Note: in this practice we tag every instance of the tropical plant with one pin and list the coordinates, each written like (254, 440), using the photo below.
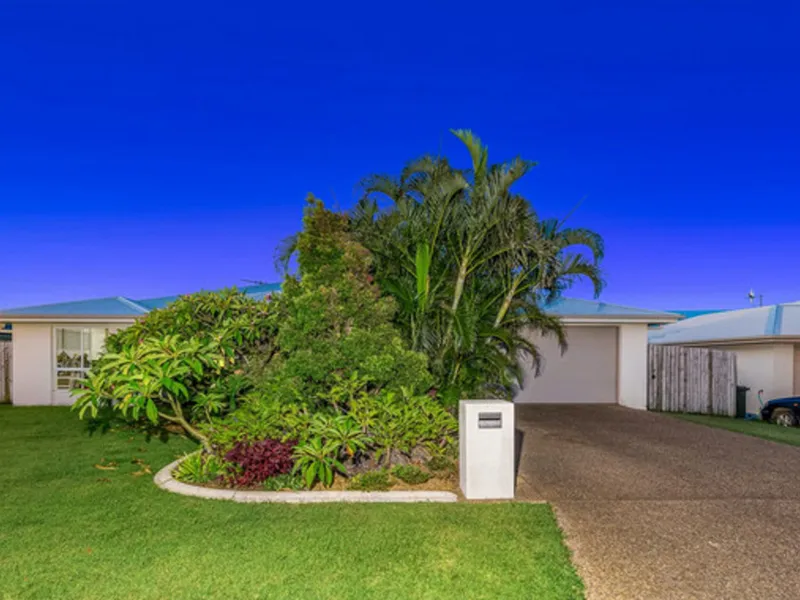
(152, 380)
(336, 334)
(255, 462)
(371, 481)
(411, 474)
(471, 266)
(317, 460)
(403, 422)
(199, 467)
(183, 364)
(287, 481)
(341, 430)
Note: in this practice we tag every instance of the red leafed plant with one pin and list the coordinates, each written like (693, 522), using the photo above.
(258, 461)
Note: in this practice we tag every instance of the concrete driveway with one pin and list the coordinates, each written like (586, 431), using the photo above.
(654, 507)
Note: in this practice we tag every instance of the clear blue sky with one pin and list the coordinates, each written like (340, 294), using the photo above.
(153, 148)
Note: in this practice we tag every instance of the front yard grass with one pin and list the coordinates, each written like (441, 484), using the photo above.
(71, 530)
(768, 431)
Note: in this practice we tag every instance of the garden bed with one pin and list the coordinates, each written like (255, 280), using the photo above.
(405, 493)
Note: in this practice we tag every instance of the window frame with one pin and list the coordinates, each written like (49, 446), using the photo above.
(85, 331)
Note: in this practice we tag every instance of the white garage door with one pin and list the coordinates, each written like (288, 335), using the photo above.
(586, 373)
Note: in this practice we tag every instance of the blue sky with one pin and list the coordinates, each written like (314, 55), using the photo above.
(155, 148)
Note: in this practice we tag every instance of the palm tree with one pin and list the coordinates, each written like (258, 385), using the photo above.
(471, 266)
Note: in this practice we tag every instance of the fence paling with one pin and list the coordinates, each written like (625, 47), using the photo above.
(5, 371)
(697, 380)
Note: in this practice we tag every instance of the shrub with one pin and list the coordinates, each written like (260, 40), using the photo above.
(199, 467)
(183, 364)
(441, 463)
(334, 323)
(260, 418)
(317, 460)
(411, 474)
(371, 481)
(402, 422)
(254, 462)
(342, 431)
(287, 481)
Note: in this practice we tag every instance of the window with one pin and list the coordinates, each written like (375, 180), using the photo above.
(76, 348)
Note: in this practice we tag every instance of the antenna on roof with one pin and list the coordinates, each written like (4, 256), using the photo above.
(255, 281)
(752, 296)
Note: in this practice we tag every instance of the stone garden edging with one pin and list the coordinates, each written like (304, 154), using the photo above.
(165, 481)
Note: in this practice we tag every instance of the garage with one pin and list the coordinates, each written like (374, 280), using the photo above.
(585, 373)
(606, 358)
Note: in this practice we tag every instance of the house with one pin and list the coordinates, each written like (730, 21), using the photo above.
(688, 314)
(606, 359)
(54, 344)
(766, 341)
(606, 362)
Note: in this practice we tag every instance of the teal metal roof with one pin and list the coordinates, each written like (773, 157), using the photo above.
(112, 307)
(689, 314)
(125, 307)
(779, 320)
(574, 307)
(118, 306)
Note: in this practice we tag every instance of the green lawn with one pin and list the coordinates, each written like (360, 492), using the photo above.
(768, 431)
(70, 530)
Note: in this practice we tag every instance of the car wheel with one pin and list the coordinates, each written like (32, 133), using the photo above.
(783, 417)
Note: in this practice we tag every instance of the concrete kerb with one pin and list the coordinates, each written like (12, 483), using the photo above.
(165, 481)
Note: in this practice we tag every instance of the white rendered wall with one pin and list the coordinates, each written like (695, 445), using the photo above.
(632, 366)
(33, 367)
(32, 360)
(768, 367)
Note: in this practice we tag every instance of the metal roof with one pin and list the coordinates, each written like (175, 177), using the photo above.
(688, 314)
(117, 306)
(779, 320)
(575, 307)
(125, 307)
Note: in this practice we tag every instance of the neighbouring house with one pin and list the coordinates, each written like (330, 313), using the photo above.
(606, 361)
(53, 345)
(688, 314)
(766, 341)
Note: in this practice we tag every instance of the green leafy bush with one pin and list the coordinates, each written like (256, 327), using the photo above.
(441, 463)
(260, 418)
(199, 467)
(153, 379)
(402, 422)
(335, 324)
(288, 481)
(371, 481)
(317, 460)
(184, 364)
(411, 474)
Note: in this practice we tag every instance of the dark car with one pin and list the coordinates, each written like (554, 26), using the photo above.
(782, 411)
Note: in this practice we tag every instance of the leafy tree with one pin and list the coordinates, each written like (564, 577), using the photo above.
(334, 321)
(183, 364)
(471, 266)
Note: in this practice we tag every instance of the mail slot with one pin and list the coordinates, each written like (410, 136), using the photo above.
(490, 420)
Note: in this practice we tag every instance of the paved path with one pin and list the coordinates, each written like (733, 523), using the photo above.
(658, 508)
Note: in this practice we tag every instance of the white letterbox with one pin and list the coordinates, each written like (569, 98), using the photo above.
(486, 449)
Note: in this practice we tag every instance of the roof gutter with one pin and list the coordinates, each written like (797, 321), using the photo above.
(68, 318)
(745, 341)
(602, 319)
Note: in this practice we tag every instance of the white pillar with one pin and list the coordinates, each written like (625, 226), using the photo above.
(632, 366)
(486, 449)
